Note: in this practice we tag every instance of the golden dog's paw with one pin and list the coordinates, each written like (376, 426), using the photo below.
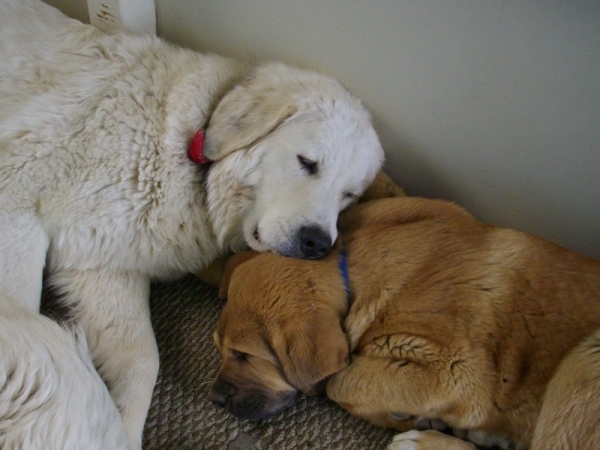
(427, 440)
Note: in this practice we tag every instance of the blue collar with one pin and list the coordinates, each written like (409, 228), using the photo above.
(343, 265)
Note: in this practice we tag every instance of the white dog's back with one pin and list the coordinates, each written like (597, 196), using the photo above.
(39, 66)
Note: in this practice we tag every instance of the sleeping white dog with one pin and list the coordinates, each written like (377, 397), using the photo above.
(97, 189)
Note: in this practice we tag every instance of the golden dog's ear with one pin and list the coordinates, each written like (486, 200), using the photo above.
(310, 350)
(213, 273)
(229, 267)
(246, 114)
(382, 187)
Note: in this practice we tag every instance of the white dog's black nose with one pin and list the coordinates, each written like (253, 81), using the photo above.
(314, 242)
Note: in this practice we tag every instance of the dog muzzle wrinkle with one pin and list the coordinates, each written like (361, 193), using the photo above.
(259, 405)
(250, 406)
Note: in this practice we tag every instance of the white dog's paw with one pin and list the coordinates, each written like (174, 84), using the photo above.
(427, 440)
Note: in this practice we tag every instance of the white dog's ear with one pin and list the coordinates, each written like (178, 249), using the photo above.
(246, 114)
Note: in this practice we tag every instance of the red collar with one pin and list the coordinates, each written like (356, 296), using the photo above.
(196, 150)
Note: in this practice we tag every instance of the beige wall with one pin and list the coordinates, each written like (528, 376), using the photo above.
(494, 104)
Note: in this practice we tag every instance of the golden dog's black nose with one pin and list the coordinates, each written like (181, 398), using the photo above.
(314, 242)
(221, 393)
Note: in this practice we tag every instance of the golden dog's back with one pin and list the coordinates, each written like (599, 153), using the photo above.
(507, 304)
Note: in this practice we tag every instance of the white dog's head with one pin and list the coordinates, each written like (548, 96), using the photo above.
(294, 148)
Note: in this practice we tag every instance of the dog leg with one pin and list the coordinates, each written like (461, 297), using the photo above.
(23, 247)
(570, 415)
(392, 393)
(113, 310)
(396, 393)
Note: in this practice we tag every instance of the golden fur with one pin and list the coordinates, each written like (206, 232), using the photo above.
(483, 328)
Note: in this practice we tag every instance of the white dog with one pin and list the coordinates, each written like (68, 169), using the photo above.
(96, 187)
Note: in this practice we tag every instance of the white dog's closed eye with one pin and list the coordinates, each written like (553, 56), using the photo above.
(311, 167)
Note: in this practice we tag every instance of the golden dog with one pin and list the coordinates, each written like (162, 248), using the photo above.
(447, 318)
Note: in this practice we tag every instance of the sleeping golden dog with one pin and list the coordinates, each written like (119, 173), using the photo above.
(483, 328)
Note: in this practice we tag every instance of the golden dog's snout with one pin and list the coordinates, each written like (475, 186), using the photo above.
(252, 402)
(221, 393)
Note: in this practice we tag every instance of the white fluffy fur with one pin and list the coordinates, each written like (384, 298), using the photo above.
(96, 188)
(51, 396)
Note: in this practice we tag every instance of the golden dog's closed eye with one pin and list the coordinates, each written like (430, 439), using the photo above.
(239, 356)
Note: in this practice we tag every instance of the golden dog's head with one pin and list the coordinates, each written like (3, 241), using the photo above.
(279, 333)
